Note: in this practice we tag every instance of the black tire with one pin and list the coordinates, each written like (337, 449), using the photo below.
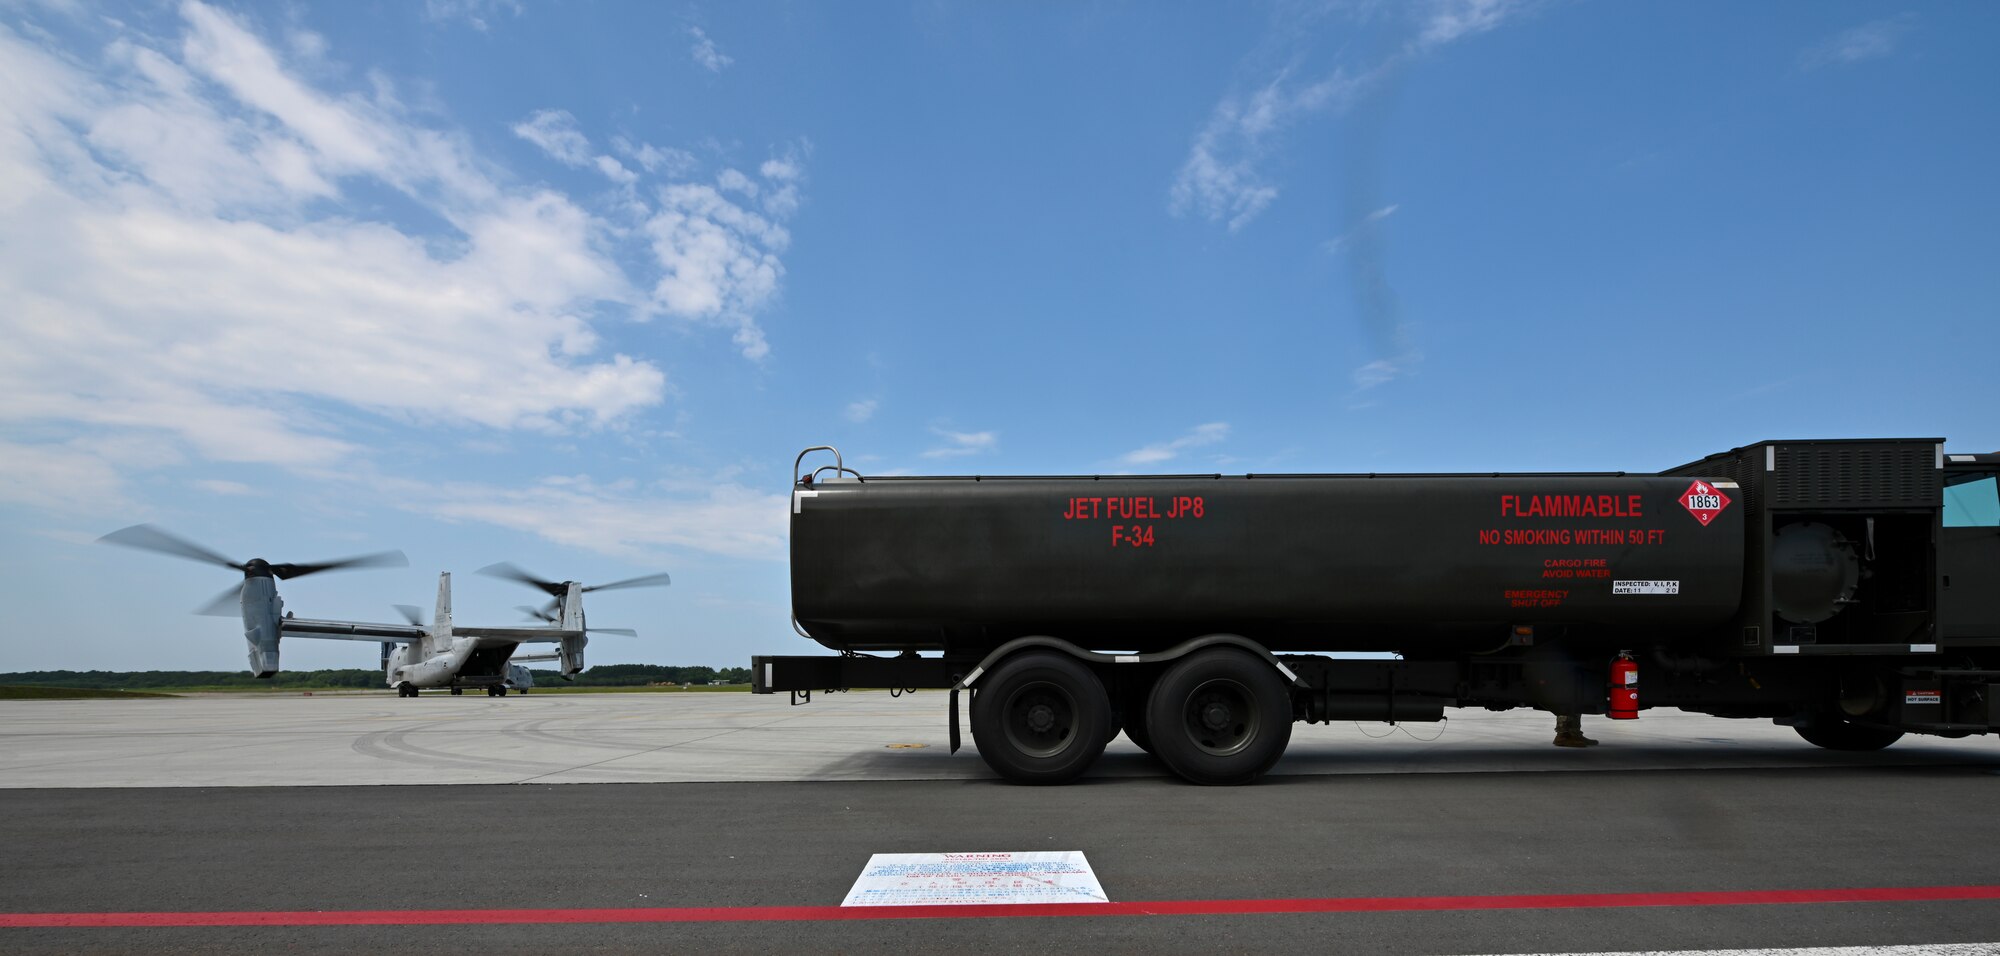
(1040, 717)
(406, 689)
(1834, 733)
(1219, 717)
(456, 691)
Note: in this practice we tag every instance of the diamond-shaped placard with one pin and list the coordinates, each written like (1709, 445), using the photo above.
(1704, 501)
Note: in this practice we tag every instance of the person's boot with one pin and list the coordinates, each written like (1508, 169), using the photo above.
(1569, 732)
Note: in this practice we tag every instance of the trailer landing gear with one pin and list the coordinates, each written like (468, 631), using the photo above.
(1040, 717)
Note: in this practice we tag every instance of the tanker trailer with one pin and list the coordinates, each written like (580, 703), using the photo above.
(1794, 581)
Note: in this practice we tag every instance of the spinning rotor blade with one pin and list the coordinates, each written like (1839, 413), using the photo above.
(547, 614)
(385, 559)
(621, 631)
(226, 604)
(411, 613)
(512, 573)
(650, 580)
(148, 537)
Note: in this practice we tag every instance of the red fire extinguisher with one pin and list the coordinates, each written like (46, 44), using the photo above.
(1624, 688)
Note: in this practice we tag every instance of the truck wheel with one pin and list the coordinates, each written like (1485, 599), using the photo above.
(1040, 717)
(1219, 717)
(1836, 734)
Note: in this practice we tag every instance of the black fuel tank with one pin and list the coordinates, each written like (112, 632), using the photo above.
(1298, 562)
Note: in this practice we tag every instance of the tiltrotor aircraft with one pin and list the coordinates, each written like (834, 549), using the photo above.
(415, 655)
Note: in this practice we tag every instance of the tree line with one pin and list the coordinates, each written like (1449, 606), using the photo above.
(604, 675)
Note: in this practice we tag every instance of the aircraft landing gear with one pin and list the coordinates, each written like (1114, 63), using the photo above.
(406, 689)
(456, 691)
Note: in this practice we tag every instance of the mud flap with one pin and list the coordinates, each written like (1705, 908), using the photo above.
(954, 719)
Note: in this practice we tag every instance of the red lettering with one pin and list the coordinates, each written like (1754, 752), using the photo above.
(1572, 506)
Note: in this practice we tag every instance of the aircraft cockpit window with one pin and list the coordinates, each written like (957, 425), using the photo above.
(1973, 503)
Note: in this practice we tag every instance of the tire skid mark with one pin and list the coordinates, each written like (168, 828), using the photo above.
(394, 745)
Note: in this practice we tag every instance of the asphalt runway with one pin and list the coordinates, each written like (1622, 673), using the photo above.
(792, 802)
(379, 739)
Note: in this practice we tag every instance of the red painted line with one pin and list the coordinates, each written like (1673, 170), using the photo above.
(754, 914)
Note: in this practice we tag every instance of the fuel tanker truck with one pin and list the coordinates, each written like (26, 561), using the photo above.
(1849, 589)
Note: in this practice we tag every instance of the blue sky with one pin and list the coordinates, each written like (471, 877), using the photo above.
(569, 284)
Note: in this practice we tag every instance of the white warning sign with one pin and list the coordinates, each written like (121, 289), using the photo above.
(1645, 587)
(950, 879)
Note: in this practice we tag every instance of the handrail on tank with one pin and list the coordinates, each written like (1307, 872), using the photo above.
(837, 465)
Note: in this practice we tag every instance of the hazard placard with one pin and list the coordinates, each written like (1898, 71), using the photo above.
(1704, 501)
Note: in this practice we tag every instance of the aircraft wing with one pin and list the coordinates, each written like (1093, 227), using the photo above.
(506, 636)
(352, 630)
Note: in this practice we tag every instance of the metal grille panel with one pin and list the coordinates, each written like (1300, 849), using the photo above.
(1856, 475)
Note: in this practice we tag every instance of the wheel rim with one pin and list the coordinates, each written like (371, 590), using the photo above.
(1040, 719)
(1221, 717)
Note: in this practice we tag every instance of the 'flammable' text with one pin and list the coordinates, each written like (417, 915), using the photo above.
(1572, 506)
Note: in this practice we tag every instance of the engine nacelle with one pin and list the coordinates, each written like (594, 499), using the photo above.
(262, 642)
(572, 655)
(263, 624)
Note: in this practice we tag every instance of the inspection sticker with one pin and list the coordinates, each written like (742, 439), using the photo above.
(1645, 587)
(950, 879)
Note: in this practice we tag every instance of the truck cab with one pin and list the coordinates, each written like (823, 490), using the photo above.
(1969, 551)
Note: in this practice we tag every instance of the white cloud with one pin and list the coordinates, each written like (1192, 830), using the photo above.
(862, 411)
(670, 162)
(59, 477)
(1201, 435)
(1870, 41)
(719, 261)
(476, 13)
(1367, 222)
(165, 273)
(1453, 19)
(615, 171)
(786, 175)
(1222, 178)
(705, 54)
(558, 135)
(962, 443)
(223, 486)
(783, 170)
(621, 518)
(1378, 372)
(731, 180)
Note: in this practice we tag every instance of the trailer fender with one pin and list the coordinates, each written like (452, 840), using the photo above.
(1113, 660)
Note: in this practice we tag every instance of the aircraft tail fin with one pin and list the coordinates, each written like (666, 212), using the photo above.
(442, 619)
